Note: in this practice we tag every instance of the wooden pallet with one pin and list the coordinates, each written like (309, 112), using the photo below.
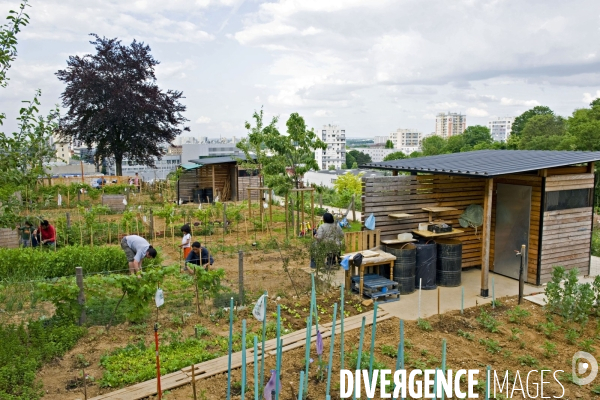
(220, 365)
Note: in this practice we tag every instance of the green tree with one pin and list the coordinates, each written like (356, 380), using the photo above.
(254, 145)
(389, 144)
(519, 123)
(331, 167)
(344, 166)
(8, 41)
(415, 154)
(349, 182)
(433, 145)
(584, 129)
(397, 155)
(350, 160)
(543, 132)
(354, 165)
(475, 135)
(454, 144)
(360, 157)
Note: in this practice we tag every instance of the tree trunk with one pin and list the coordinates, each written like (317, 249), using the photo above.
(119, 164)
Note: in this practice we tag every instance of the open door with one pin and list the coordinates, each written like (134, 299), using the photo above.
(513, 212)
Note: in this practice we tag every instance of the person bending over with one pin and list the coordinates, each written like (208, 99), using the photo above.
(45, 234)
(136, 248)
(198, 256)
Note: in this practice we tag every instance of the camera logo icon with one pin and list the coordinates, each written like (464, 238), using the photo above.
(584, 363)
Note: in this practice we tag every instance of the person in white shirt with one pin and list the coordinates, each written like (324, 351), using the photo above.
(186, 240)
(136, 248)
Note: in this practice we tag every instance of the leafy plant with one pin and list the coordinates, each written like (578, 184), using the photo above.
(549, 349)
(492, 346)
(527, 361)
(518, 315)
(571, 336)
(486, 320)
(62, 293)
(424, 325)
(389, 351)
(548, 328)
(466, 335)
(514, 334)
(586, 345)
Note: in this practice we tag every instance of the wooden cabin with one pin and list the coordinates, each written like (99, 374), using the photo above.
(542, 199)
(202, 180)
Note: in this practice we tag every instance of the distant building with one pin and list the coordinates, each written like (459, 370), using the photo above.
(501, 128)
(335, 154)
(167, 164)
(328, 178)
(174, 150)
(377, 153)
(406, 140)
(380, 140)
(199, 150)
(63, 149)
(450, 124)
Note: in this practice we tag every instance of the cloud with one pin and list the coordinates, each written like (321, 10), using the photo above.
(323, 113)
(203, 120)
(512, 102)
(476, 112)
(588, 97)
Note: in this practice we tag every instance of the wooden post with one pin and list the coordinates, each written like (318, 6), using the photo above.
(312, 209)
(241, 276)
(394, 173)
(151, 224)
(261, 208)
(82, 180)
(320, 200)
(286, 216)
(194, 377)
(485, 242)
(271, 205)
(81, 296)
(68, 220)
(224, 220)
(353, 207)
(302, 201)
(213, 182)
(249, 204)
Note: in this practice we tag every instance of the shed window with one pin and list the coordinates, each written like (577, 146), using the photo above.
(567, 199)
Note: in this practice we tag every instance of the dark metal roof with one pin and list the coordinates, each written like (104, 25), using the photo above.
(488, 162)
(219, 160)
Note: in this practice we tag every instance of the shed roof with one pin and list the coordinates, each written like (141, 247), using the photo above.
(218, 160)
(489, 163)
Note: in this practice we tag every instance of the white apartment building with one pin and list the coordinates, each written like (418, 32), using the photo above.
(406, 140)
(380, 139)
(335, 154)
(450, 124)
(63, 149)
(501, 128)
(377, 153)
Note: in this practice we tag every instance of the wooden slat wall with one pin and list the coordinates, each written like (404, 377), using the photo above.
(409, 194)
(534, 223)
(244, 182)
(202, 178)
(567, 233)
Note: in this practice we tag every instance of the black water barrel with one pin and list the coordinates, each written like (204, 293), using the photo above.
(207, 192)
(404, 266)
(449, 262)
(425, 267)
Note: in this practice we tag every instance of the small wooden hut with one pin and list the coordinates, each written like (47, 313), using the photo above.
(542, 199)
(202, 180)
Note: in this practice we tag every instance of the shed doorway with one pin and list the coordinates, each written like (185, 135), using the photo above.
(513, 212)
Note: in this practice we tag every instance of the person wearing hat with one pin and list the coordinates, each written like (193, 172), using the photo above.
(137, 248)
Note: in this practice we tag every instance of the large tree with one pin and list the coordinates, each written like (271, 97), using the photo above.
(519, 124)
(360, 157)
(397, 155)
(114, 103)
(543, 132)
(389, 144)
(584, 129)
(433, 145)
(476, 135)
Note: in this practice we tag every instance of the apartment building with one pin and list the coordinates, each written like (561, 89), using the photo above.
(335, 154)
(450, 124)
(500, 128)
(406, 140)
(377, 153)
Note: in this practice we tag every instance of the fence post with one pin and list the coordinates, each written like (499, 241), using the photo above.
(68, 221)
(81, 296)
(151, 224)
(241, 276)
(224, 218)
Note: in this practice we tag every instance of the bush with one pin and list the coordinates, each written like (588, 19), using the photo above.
(29, 263)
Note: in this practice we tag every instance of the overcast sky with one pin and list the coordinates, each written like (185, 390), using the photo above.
(370, 66)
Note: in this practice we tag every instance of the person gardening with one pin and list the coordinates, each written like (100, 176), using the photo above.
(137, 248)
(329, 238)
(198, 256)
(45, 234)
(26, 233)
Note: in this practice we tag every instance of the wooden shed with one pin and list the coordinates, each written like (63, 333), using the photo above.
(204, 179)
(542, 199)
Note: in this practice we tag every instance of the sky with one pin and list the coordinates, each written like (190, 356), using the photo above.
(369, 66)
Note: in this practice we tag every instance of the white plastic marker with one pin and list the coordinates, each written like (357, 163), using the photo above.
(419, 312)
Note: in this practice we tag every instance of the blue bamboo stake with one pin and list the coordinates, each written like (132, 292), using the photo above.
(255, 367)
(360, 345)
(443, 363)
(278, 323)
(487, 384)
(278, 338)
(400, 355)
(307, 349)
(435, 384)
(314, 300)
(462, 300)
(278, 367)
(301, 385)
(342, 330)
(229, 349)
(331, 346)
(373, 331)
(243, 359)
(264, 335)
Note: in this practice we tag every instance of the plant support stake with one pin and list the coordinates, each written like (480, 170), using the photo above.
(373, 331)
(342, 329)
(158, 390)
(262, 349)
(331, 347)
(229, 349)
(462, 300)
(243, 358)
(255, 368)
(360, 346)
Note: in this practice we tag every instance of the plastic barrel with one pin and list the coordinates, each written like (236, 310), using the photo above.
(404, 266)
(449, 262)
(425, 267)
(207, 192)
